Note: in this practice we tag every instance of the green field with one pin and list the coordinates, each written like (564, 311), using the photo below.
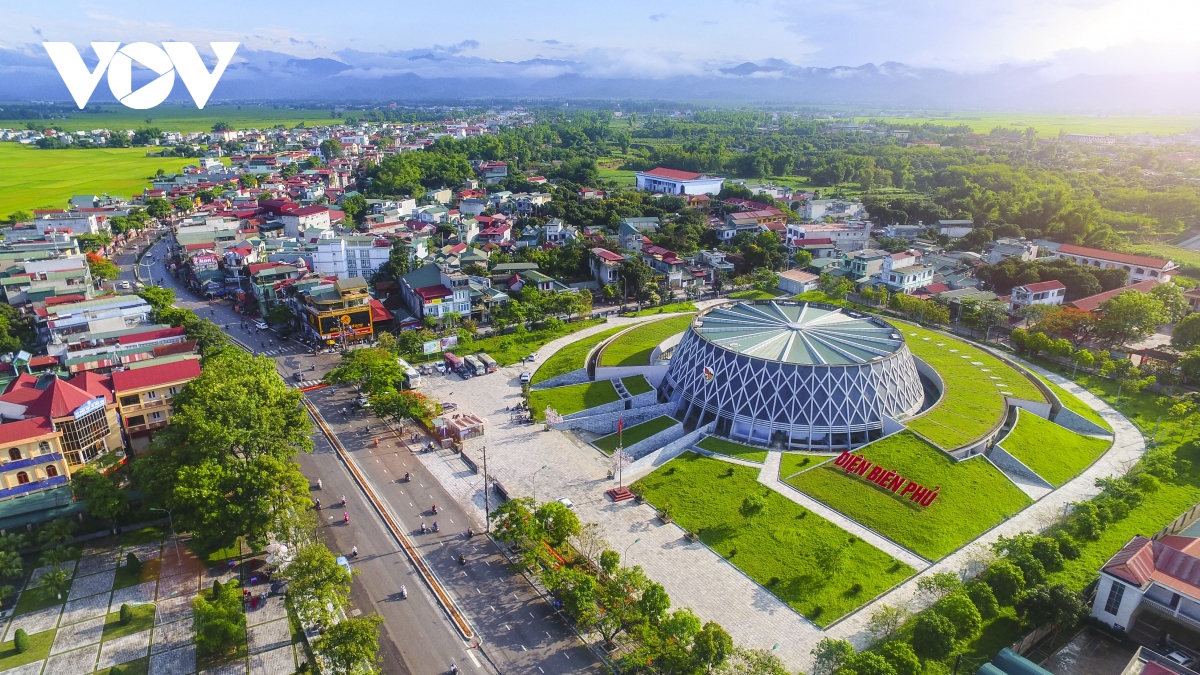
(806, 561)
(35, 179)
(634, 434)
(571, 357)
(754, 294)
(975, 385)
(1050, 451)
(637, 384)
(669, 308)
(572, 398)
(634, 347)
(795, 462)
(731, 449)
(974, 495)
(1070, 402)
(184, 117)
(1049, 125)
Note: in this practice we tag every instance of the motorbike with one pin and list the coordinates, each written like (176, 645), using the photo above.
(403, 593)
(423, 529)
(345, 518)
(435, 509)
(462, 559)
(343, 501)
(470, 532)
(318, 504)
(435, 526)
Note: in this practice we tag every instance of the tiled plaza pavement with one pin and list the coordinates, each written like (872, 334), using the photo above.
(279, 661)
(268, 636)
(176, 609)
(100, 561)
(231, 668)
(692, 574)
(180, 661)
(35, 622)
(271, 610)
(82, 609)
(78, 662)
(77, 635)
(143, 593)
(27, 669)
(179, 585)
(170, 636)
(144, 552)
(35, 577)
(124, 649)
(93, 584)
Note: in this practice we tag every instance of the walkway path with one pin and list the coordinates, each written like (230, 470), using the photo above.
(1128, 447)
(769, 476)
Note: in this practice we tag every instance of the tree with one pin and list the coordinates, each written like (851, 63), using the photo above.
(1006, 580)
(208, 336)
(158, 207)
(101, 496)
(711, 646)
(513, 522)
(744, 661)
(802, 258)
(933, 636)
(557, 522)
(1056, 605)
(1186, 335)
(331, 148)
(901, 657)
(1175, 305)
(318, 588)
(218, 619)
(374, 370)
(830, 655)
(225, 464)
(983, 598)
(885, 622)
(870, 663)
(102, 268)
(403, 405)
(939, 585)
(158, 297)
(54, 583)
(183, 204)
(962, 613)
(753, 506)
(1129, 317)
(279, 314)
(1037, 342)
(620, 606)
(579, 594)
(355, 207)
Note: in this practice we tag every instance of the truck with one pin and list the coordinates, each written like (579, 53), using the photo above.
(474, 365)
(411, 375)
(453, 363)
(488, 362)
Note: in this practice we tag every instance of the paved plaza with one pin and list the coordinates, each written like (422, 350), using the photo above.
(549, 465)
(79, 645)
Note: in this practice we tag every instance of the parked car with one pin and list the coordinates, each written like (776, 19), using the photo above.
(345, 564)
(526, 377)
(440, 367)
(124, 285)
(1181, 658)
(363, 402)
(261, 325)
(567, 503)
(299, 376)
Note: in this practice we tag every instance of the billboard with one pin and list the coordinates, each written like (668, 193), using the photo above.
(430, 347)
(350, 322)
(449, 342)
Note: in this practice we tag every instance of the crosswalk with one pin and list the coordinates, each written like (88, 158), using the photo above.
(308, 384)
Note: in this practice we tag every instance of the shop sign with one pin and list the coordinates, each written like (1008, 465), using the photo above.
(887, 479)
(430, 347)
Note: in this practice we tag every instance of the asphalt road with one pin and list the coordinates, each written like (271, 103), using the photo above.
(518, 632)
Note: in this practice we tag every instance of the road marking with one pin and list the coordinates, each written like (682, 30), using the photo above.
(451, 521)
(410, 503)
(532, 616)
(567, 655)
(473, 659)
(491, 608)
(516, 598)
(525, 650)
(540, 668)
(478, 591)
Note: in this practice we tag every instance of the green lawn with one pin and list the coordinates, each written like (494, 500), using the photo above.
(143, 619)
(39, 648)
(572, 398)
(143, 536)
(185, 116)
(1048, 125)
(1070, 402)
(33, 179)
(1052, 452)
(126, 577)
(794, 462)
(975, 385)
(811, 564)
(510, 348)
(571, 357)
(31, 600)
(635, 434)
(670, 308)
(724, 447)
(754, 294)
(974, 496)
(637, 384)
(138, 667)
(634, 347)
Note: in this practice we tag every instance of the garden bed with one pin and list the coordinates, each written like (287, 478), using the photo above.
(974, 496)
(634, 347)
(571, 357)
(1072, 403)
(637, 384)
(811, 564)
(635, 434)
(1052, 452)
(731, 449)
(572, 398)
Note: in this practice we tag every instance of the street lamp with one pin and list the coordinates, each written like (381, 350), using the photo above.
(171, 522)
(535, 473)
(627, 550)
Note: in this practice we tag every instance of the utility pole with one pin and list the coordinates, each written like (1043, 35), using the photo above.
(487, 506)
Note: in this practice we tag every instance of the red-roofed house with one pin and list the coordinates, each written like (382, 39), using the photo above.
(606, 265)
(1041, 293)
(85, 416)
(31, 458)
(671, 181)
(144, 396)
(1158, 578)
(1140, 267)
(1092, 302)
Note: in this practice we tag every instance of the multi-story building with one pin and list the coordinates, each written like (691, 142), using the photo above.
(1151, 587)
(31, 458)
(353, 256)
(62, 324)
(1043, 293)
(81, 409)
(631, 232)
(908, 279)
(1140, 267)
(36, 280)
(144, 396)
(429, 291)
(338, 312)
(73, 221)
(845, 236)
(1011, 247)
(606, 266)
(666, 264)
(673, 182)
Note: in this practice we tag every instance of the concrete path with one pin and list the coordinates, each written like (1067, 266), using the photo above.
(1128, 447)
(769, 476)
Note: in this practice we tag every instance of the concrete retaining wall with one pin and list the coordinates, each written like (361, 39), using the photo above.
(1011, 465)
(671, 450)
(615, 406)
(662, 439)
(606, 423)
(1036, 407)
(1078, 423)
(579, 376)
(642, 400)
(654, 374)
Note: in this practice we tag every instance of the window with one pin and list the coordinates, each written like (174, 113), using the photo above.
(136, 420)
(44, 448)
(14, 454)
(156, 416)
(1115, 593)
(22, 478)
(172, 391)
(132, 399)
(51, 471)
(151, 395)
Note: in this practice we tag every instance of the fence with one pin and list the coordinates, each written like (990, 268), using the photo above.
(1179, 524)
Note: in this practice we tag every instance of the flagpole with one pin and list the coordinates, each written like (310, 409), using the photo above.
(621, 451)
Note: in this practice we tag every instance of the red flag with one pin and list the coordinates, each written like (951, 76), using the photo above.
(620, 423)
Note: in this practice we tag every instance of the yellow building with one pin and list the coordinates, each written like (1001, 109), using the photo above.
(144, 396)
(31, 457)
(339, 312)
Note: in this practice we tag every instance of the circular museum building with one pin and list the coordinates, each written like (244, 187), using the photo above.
(794, 374)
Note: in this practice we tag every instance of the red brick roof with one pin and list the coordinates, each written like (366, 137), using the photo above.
(608, 255)
(152, 376)
(1043, 286)
(21, 430)
(672, 174)
(1123, 258)
(59, 399)
(432, 292)
(1092, 302)
(151, 335)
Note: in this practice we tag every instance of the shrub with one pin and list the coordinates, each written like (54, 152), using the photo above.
(1005, 579)
(1047, 552)
(902, 657)
(1031, 568)
(1067, 546)
(126, 614)
(21, 641)
(984, 599)
(962, 613)
(870, 663)
(132, 562)
(933, 636)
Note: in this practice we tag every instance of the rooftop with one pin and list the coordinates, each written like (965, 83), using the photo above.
(1123, 258)
(798, 333)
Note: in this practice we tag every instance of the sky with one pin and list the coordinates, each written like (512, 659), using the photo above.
(629, 38)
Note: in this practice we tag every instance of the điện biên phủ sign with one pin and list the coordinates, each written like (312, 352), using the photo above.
(887, 479)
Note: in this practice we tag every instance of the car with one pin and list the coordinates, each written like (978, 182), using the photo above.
(532, 357)
(124, 285)
(363, 402)
(1181, 658)
(526, 377)
(261, 325)
(299, 376)
(567, 503)
(341, 560)
(441, 367)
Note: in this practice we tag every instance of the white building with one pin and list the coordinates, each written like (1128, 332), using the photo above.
(670, 181)
(846, 237)
(313, 217)
(1159, 578)
(349, 257)
(908, 279)
(797, 282)
(1140, 267)
(1009, 247)
(78, 223)
(839, 209)
(955, 229)
(1043, 293)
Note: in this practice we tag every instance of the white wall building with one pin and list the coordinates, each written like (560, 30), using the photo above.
(1140, 267)
(1043, 293)
(670, 181)
(349, 257)
(846, 237)
(79, 223)
(304, 218)
(1161, 578)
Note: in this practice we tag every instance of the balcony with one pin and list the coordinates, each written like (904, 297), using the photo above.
(148, 405)
(1166, 610)
(151, 426)
(31, 461)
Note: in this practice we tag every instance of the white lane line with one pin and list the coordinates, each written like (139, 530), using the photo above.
(473, 659)
(525, 650)
(532, 616)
